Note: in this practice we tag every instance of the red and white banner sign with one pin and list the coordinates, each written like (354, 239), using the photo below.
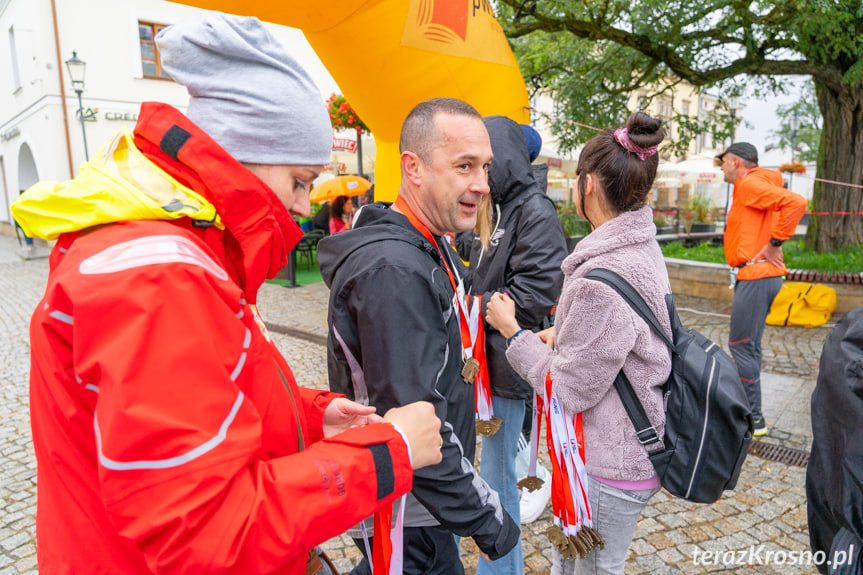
(345, 144)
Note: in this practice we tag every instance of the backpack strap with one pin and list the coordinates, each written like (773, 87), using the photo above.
(631, 296)
(644, 430)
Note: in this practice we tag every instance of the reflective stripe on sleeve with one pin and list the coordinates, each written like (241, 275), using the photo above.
(242, 361)
(60, 316)
(361, 392)
(196, 452)
(150, 250)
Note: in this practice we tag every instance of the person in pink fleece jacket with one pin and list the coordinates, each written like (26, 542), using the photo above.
(596, 334)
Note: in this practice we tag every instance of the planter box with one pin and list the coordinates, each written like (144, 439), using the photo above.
(701, 279)
(702, 227)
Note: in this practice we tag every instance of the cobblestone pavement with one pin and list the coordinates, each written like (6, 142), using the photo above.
(767, 509)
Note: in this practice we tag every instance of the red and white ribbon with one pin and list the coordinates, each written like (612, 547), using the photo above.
(387, 554)
(565, 438)
(482, 383)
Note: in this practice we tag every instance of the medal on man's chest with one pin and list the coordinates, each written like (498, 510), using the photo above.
(469, 371)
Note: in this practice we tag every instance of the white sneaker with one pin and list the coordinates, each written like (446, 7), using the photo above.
(532, 503)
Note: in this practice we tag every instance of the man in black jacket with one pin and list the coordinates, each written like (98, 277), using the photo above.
(834, 477)
(527, 246)
(394, 326)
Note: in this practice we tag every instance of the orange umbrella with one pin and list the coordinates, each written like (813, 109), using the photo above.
(339, 186)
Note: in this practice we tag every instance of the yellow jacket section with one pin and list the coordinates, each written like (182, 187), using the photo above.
(119, 184)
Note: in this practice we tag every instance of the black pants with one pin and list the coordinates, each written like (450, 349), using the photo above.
(749, 309)
(427, 550)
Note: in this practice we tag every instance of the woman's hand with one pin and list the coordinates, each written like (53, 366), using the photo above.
(500, 314)
(342, 414)
(547, 336)
(421, 428)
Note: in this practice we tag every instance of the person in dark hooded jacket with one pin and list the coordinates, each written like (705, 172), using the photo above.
(526, 248)
(394, 328)
(834, 475)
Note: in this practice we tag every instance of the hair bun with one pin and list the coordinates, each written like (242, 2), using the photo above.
(644, 131)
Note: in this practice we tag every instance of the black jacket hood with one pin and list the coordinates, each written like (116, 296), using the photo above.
(510, 174)
(374, 223)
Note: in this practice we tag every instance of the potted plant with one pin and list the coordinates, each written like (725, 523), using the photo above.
(662, 225)
(574, 227)
(695, 214)
(793, 168)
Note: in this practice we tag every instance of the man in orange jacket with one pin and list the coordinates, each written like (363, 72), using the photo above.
(763, 214)
(169, 432)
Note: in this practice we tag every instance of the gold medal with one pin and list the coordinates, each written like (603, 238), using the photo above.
(577, 546)
(469, 371)
(530, 483)
(489, 427)
(558, 539)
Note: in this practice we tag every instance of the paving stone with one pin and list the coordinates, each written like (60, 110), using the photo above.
(641, 547)
(671, 520)
(671, 556)
(15, 541)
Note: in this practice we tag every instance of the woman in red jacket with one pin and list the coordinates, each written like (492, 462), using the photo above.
(169, 432)
(340, 214)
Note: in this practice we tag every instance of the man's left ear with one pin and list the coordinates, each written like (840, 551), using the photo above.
(412, 167)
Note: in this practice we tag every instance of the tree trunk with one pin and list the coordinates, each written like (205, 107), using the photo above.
(840, 158)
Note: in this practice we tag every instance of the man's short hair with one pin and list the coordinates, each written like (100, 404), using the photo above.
(419, 133)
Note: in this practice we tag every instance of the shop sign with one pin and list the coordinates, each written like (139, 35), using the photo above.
(89, 114)
(121, 116)
(345, 144)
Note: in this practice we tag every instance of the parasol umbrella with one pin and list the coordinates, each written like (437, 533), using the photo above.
(339, 186)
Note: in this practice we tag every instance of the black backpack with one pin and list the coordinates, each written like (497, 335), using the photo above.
(708, 423)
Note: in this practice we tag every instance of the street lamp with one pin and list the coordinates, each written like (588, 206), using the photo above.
(795, 125)
(77, 69)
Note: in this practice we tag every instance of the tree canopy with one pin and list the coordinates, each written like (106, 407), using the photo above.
(591, 54)
(806, 138)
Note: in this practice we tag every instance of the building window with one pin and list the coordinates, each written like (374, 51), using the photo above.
(665, 109)
(685, 113)
(13, 54)
(150, 63)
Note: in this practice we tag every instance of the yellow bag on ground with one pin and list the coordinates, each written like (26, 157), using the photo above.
(802, 304)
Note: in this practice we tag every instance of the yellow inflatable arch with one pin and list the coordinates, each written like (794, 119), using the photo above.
(389, 55)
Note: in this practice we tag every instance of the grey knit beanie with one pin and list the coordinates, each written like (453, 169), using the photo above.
(247, 92)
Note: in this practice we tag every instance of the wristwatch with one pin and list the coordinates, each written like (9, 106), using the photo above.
(776, 243)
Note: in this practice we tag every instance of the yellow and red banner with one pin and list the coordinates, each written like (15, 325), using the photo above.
(389, 55)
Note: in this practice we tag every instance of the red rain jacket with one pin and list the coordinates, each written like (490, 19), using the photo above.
(167, 427)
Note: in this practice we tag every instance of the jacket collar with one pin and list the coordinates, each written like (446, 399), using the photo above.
(259, 230)
(626, 229)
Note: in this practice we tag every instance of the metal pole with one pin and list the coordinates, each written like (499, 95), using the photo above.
(292, 268)
(83, 130)
(359, 154)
